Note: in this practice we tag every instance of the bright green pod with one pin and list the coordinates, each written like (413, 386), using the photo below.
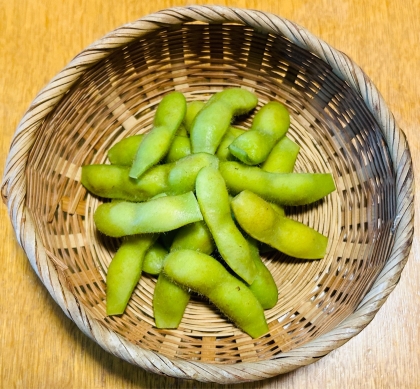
(159, 215)
(214, 202)
(180, 148)
(223, 152)
(264, 287)
(181, 178)
(156, 143)
(193, 108)
(169, 302)
(153, 260)
(286, 189)
(124, 271)
(269, 125)
(206, 276)
(282, 157)
(194, 236)
(124, 151)
(213, 120)
(259, 220)
(113, 182)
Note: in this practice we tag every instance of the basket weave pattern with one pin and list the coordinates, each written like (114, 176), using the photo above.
(111, 90)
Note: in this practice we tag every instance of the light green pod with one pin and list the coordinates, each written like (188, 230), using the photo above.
(156, 143)
(282, 157)
(113, 182)
(286, 189)
(206, 276)
(124, 272)
(180, 148)
(223, 152)
(181, 178)
(159, 215)
(260, 220)
(153, 260)
(170, 300)
(213, 120)
(214, 201)
(193, 108)
(194, 236)
(123, 152)
(270, 124)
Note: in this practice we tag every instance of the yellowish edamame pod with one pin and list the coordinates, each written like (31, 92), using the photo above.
(286, 189)
(206, 276)
(153, 260)
(282, 157)
(258, 219)
(159, 215)
(193, 108)
(213, 199)
(156, 143)
(124, 271)
(270, 124)
(213, 120)
(113, 182)
(180, 148)
(223, 152)
(182, 176)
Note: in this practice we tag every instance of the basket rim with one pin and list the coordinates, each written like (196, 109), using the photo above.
(14, 190)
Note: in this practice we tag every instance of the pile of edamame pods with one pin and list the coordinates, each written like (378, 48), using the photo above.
(196, 198)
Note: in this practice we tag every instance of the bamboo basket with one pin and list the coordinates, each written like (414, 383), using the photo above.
(111, 89)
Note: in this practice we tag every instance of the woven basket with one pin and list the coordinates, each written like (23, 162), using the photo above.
(111, 89)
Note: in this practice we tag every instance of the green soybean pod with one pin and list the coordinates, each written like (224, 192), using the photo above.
(156, 143)
(124, 151)
(182, 176)
(170, 300)
(264, 287)
(124, 271)
(223, 152)
(153, 260)
(282, 157)
(270, 124)
(260, 220)
(180, 148)
(286, 189)
(193, 108)
(206, 276)
(213, 120)
(159, 215)
(113, 181)
(214, 202)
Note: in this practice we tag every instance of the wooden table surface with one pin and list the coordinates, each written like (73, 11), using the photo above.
(41, 348)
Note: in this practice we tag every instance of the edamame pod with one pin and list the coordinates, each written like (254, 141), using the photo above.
(282, 157)
(260, 220)
(213, 120)
(153, 260)
(170, 300)
(159, 215)
(270, 124)
(213, 199)
(124, 271)
(113, 181)
(264, 287)
(206, 276)
(223, 152)
(156, 143)
(193, 108)
(182, 176)
(123, 152)
(286, 189)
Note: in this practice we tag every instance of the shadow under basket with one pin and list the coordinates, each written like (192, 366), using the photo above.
(111, 90)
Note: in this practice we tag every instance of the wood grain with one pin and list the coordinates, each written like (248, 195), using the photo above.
(42, 348)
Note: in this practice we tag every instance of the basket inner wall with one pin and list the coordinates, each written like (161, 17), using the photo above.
(336, 132)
